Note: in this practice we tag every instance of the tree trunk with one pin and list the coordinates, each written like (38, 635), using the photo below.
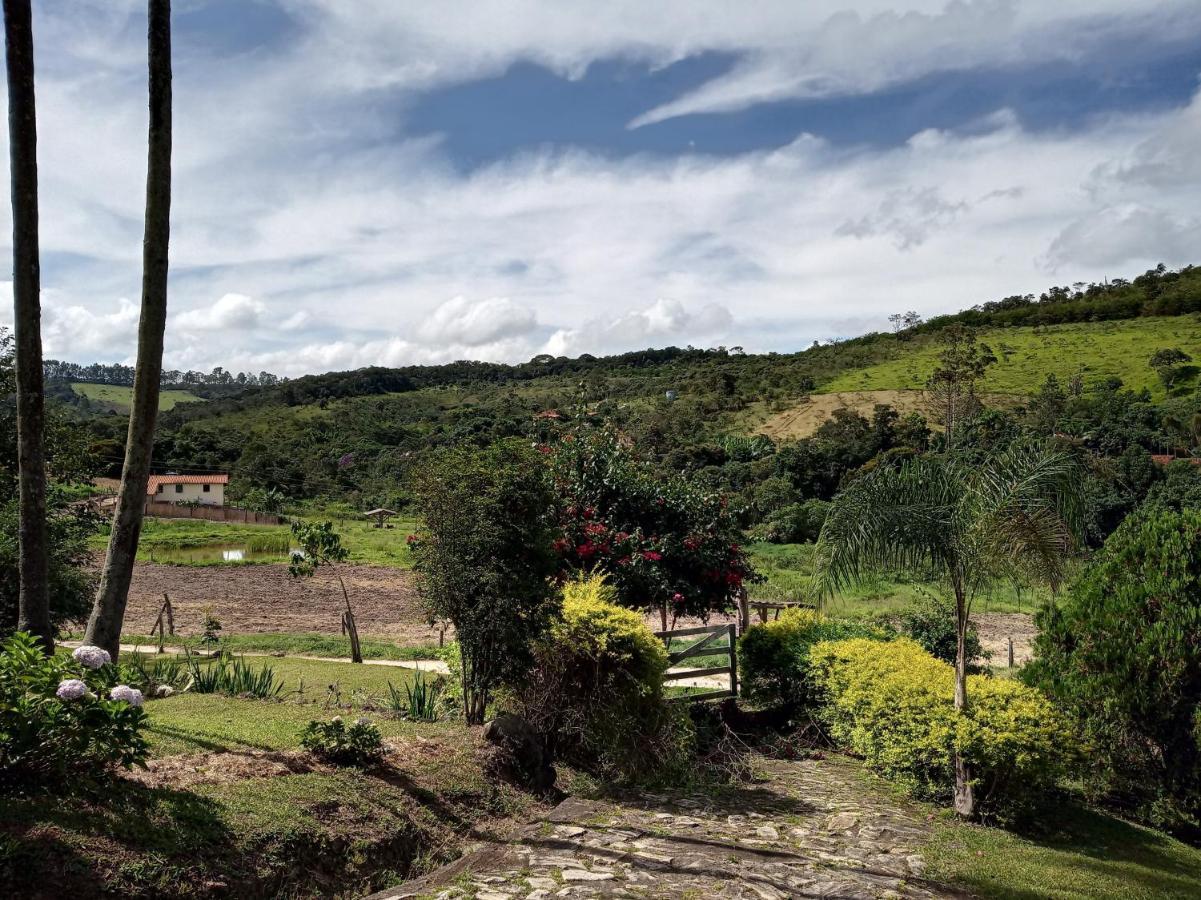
(108, 613)
(965, 800)
(356, 651)
(33, 613)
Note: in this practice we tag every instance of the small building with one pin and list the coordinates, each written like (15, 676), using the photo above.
(207, 490)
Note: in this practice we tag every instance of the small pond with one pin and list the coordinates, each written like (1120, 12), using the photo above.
(215, 554)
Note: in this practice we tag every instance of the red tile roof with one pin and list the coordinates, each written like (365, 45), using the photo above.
(1166, 459)
(156, 480)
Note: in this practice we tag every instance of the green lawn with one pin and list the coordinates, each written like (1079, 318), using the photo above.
(1026, 355)
(176, 540)
(295, 644)
(121, 397)
(788, 568)
(1079, 855)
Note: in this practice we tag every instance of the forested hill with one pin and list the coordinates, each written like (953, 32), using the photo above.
(355, 435)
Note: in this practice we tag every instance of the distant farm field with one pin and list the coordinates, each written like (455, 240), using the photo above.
(121, 397)
(1025, 356)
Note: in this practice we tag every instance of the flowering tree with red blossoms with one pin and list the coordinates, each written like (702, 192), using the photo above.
(665, 543)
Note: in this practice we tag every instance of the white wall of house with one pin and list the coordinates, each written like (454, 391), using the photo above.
(209, 494)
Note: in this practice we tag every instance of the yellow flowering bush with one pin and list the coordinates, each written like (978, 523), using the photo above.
(595, 691)
(893, 704)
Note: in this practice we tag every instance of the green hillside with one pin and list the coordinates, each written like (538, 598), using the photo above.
(1025, 356)
(120, 396)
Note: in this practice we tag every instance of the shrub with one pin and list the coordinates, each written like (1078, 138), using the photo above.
(595, 690)
(931, 622)
(797, 523)
(667, 542)
(774, 657)
(484, 559)
(1123, 653)
(62, 716)
(358, 745)
(893, 704)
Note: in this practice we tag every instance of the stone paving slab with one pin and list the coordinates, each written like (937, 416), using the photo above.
(812, 828)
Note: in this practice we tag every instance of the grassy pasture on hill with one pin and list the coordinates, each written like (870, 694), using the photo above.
(1025, 356)
(120, 396)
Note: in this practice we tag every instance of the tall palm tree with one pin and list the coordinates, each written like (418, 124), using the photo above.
(1015, 516)
(108, 612)
(34, 604)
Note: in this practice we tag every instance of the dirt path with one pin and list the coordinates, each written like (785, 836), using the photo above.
(812, 828)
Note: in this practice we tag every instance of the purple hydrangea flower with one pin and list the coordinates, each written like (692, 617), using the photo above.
(132, 696)
(91, 657)
(71, 689)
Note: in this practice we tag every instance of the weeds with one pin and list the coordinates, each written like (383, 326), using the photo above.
(234, 678)
(419, 700)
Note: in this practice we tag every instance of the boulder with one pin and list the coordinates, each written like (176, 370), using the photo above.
(518, 754)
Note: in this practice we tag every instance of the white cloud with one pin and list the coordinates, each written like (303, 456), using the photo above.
(474, 323)
(230, 312)
(333, 240)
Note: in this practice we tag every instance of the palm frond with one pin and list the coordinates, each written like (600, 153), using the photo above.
(892, 519)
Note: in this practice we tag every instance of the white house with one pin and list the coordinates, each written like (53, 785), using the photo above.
(205, 489)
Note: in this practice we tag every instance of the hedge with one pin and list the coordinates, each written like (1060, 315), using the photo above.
(892, 704)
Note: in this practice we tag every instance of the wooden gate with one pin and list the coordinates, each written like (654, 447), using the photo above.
(711, 641)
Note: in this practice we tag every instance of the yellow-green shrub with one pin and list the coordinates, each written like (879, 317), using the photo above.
(892, 704)
(774, 657)
(595, 691)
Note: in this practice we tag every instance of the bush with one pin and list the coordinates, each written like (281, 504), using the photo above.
(1123, 653)
(931, 622)
(893, 704)
(484, 559)
(359, 745)
(61, 716)
(595, 691)
(233, 677)
(774, 657)
(797, 523)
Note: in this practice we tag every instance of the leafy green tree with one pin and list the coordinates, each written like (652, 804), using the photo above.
(1013, 516)
(321, 547)
(1123, 653)
(961, 364)
(1168, 364)
(485, 559)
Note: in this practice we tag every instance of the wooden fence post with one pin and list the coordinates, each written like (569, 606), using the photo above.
(733, 661)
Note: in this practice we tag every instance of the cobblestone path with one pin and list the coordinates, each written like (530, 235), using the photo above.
(810, 829)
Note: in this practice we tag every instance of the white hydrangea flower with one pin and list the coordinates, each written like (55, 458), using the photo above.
(336, 719)
(71, 689)
(164, 690)
(132, 696)
(91, 657)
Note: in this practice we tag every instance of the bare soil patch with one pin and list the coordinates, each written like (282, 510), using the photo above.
(265, 599)
(995, 630)
(810, 413)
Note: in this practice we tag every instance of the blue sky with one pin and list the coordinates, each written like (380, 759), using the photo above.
(385, 183)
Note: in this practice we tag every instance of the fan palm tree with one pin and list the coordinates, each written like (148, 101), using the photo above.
(973, 524)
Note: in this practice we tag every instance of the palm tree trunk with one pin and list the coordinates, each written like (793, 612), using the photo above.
(108, 613)
(33, 613)
(965, 800)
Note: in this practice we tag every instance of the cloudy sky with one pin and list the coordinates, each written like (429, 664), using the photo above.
(381, 182)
